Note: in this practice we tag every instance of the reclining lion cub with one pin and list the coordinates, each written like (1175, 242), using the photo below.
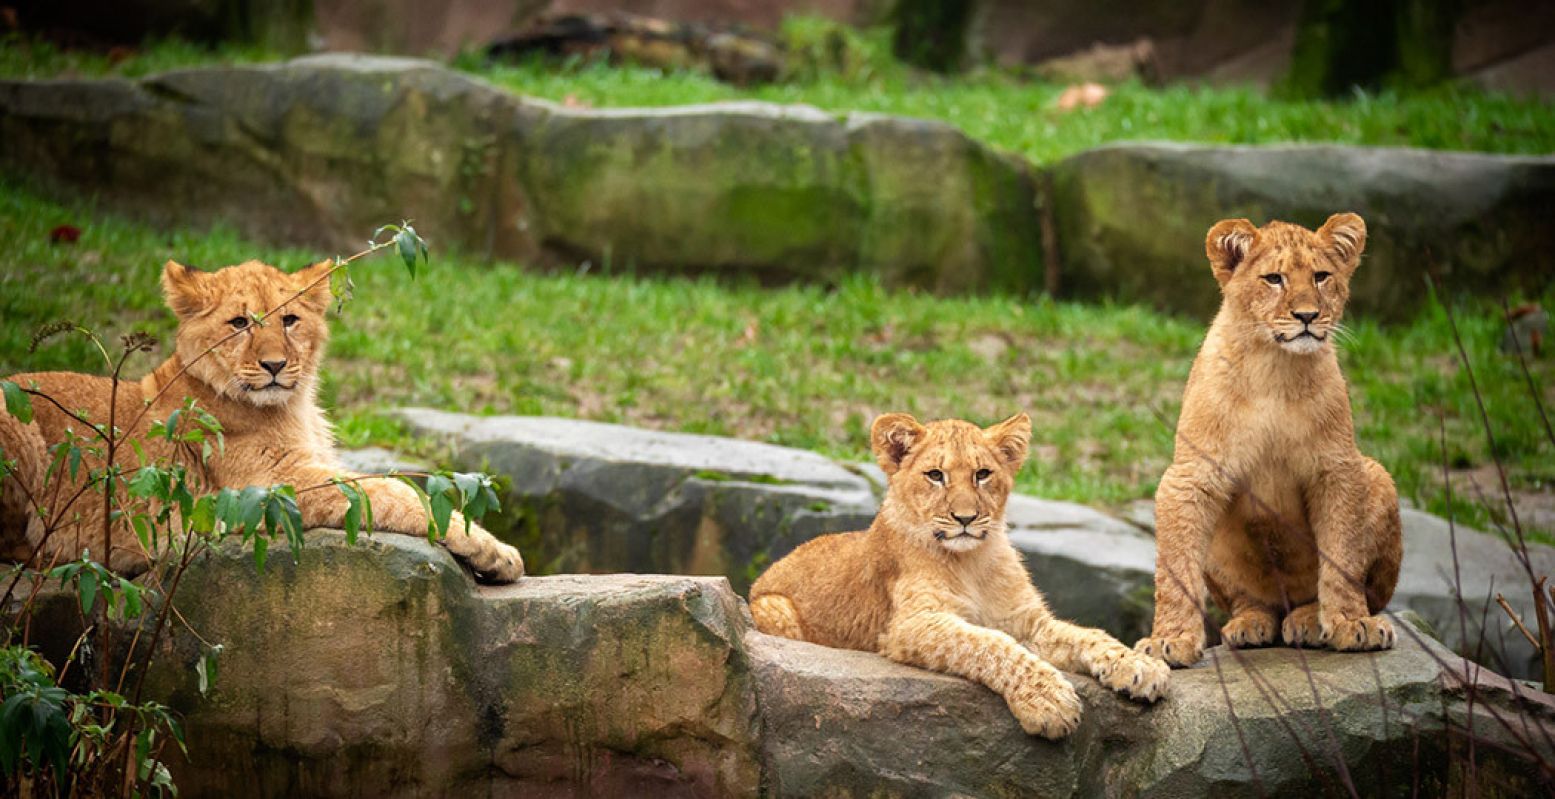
(935, 583)
(1268, 503)
(260, 385)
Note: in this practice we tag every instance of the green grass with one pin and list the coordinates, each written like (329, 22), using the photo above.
(800, 366)
(1002, 108)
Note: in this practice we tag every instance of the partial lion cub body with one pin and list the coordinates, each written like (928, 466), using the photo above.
(260, 384)
(935, 583)
(1268, 504)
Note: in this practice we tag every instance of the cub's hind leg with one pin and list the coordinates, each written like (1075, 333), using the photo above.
(1387, 535)
(775, 614)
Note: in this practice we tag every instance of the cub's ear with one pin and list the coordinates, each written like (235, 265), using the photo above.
(313, 282)
(1012, 438)
(893, 436)
(1227, 244)
(1345, 236)
(184, 289)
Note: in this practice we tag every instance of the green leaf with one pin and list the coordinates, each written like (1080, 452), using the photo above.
(405, 240)
(88, 587)
(353, 517)
(131, 593)
(17, 403)
(206, 668)
(440, 494)
(261, 548)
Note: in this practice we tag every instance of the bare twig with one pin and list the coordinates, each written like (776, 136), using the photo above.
(1518, 622)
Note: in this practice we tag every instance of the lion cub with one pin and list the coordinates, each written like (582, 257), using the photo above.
(260, 381)
(1268, 504)
(935, 583)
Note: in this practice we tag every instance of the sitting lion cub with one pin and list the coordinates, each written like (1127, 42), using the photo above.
(935, 583)
(1268, 504)
(259, 381)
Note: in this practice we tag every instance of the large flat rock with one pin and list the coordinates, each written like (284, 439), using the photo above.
(593, 497)
(382, 670)
(841, 723)
(322, 150)
(1131, 218)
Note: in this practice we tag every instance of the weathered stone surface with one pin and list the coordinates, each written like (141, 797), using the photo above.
(1093, 568)
(840, 723)
(1130, 219)
(381, 670)
(593, 497)
(377, 460)
(321, 150)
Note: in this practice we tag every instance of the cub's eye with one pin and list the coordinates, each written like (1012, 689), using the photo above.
(289, 319)
(935, 475)
(1274, 279)
(1320, 276)
(238, 322)
(984, 474)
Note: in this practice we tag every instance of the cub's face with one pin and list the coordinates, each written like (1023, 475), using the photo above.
(1286, 285)
(949, 480)
(262, 363)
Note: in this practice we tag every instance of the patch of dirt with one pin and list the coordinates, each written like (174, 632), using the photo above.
(1535, 503)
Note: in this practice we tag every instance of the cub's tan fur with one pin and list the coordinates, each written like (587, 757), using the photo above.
(274, 429)
(1268, 504)
(935, 583)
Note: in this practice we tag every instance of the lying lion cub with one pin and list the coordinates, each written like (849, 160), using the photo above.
(1268, 503)
(935, 583)
(258, 381)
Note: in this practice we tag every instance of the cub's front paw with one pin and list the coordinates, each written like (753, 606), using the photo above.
(1357, 635)
(1178, 651)
(1134, 675)
(1046, 705)
(503, 564)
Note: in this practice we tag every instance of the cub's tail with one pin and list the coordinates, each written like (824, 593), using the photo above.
(775, 614)
(25, 457)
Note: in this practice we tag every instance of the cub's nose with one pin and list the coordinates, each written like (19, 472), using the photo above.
(964, 520)
(1306, 317)
(273, 367)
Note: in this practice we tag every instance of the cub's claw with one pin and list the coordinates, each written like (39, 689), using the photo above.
(1249, 629)
(1357, 635)
(1135, 675)
(1301, 628)
(1047, 706)
(1177, 651)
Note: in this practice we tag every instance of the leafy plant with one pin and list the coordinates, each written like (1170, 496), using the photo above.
(94, 733)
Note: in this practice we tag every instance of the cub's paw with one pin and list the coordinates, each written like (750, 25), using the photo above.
(1134, 675)
(1177, 651)
(496, 563)
(1046, 705)
(1357, 635)
(1301, 627)
(1251, 628)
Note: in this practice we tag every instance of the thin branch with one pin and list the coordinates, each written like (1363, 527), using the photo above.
(1516, 621)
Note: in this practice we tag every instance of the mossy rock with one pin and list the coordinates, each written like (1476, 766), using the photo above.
(319, 151)
(1130, 219)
